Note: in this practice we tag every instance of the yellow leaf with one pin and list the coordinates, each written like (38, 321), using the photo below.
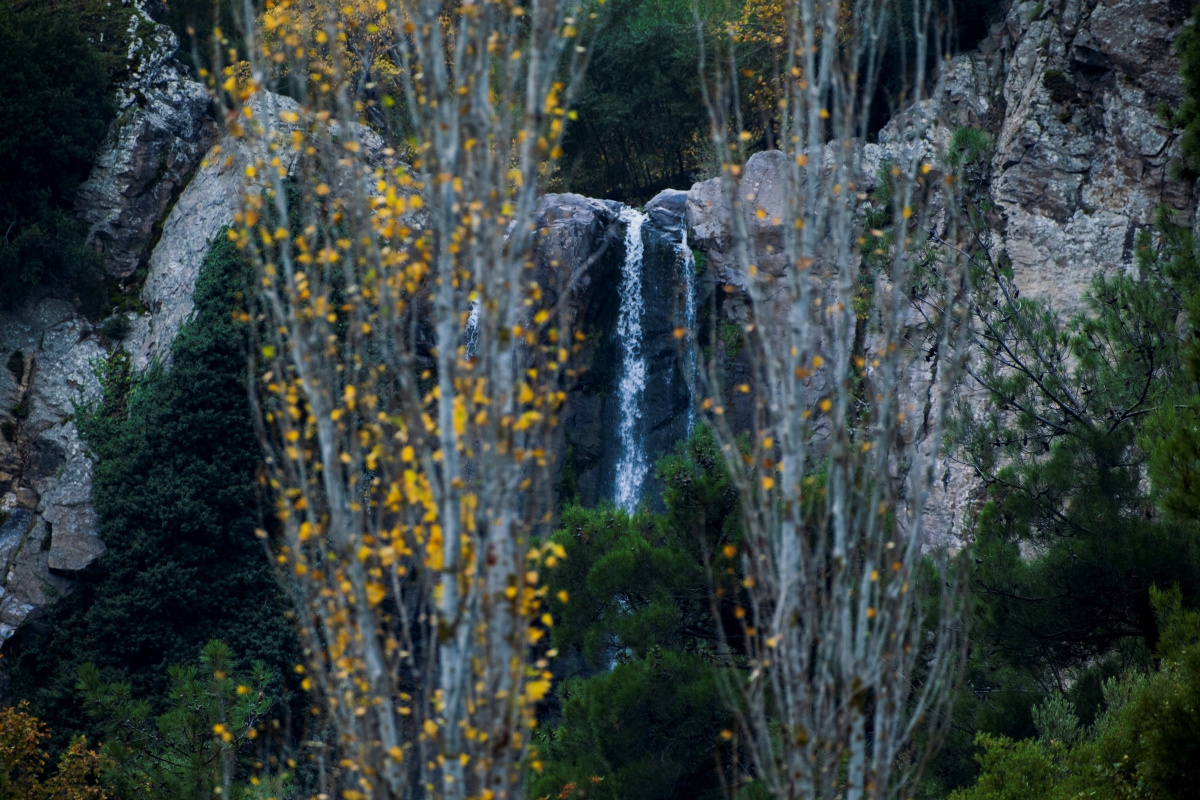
(536, 690)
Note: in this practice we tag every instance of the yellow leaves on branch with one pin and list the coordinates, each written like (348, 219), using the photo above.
(23, 762)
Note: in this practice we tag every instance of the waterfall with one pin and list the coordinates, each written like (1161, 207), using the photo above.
(471, 330)
(688, 263)
(632, 464)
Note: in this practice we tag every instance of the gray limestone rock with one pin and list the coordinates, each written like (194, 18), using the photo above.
(1077, 173)
(161, 131)
(45, 474)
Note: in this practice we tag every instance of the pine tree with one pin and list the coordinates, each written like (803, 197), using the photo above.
(643, 715)
(1071, 543)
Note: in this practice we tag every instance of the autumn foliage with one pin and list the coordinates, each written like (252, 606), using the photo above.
(409, 363)
(25, 772)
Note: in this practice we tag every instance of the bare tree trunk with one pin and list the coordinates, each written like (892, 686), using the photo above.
(847, 683)
(408, 474)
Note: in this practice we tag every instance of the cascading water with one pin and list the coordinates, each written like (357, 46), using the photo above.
(688, 267)
(471, 330)
(632, 464)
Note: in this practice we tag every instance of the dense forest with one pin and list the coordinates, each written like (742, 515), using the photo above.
(344, 554)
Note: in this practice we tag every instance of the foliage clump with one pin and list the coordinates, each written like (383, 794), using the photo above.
(642, 715)
(203, 744)
(1074, 538)
(1142, 744)
(25, 773)
(56, 106)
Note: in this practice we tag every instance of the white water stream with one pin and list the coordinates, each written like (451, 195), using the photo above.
(688, 267)
(632, 465)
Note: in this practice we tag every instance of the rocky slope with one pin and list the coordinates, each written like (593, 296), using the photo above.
(47, 525)
(1068, 90)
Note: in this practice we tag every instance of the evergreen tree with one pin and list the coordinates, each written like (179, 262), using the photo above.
(1070, 544)
(641, 123)
(1142, 744)
(55, 104)
(175, 495)
(643, 717)
(203, 745)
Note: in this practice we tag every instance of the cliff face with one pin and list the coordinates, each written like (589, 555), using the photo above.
(1068, 90)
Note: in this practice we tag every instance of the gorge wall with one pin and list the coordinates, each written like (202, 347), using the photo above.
(1069, 91)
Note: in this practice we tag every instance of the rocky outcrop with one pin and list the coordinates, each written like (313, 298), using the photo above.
(1070, 91)
(47, 525)
(161, 131)
(212, 197)
(580, 250)
(667, 396)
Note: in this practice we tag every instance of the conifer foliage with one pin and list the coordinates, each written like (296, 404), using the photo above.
(55, 106)
(644, 715)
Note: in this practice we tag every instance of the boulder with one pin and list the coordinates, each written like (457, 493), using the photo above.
(161, 131)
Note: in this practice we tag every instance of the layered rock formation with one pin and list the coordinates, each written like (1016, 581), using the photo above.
(161, 132)
(48, 533)
(47, 524)
(1070, 92)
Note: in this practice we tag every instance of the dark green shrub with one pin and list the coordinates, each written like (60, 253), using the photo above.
(642, 716)
(967, 146)
(16, 365)
(55, 104)
(204, 740)
(1060, 87)
(116, 327)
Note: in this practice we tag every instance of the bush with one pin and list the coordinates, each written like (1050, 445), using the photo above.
(24, 766)
(1143, 744)
(205, 739)
(643, 715)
